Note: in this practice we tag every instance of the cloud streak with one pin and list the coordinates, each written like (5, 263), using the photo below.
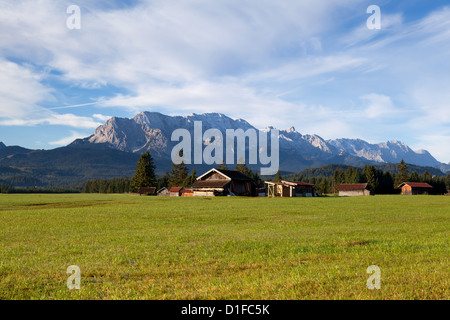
(312, 65)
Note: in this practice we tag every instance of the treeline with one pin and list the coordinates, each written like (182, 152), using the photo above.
(381, 182)
(115, 185)
(179, 176)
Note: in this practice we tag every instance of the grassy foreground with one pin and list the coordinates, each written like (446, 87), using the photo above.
(131, 247)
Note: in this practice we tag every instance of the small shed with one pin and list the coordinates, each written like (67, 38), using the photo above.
(260, 191)
(175, 191)
(290, 189)
(187, 192)
(163, 192)
(148, 191)
(354, 189)
(415, 188)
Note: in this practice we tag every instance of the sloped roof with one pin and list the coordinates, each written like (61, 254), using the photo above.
(150, 190)
(235, 175)
(298, 183)
(162, 189)
(231, 174)
(175, 189)
(215, 184)
(416, 185)
(352, 186)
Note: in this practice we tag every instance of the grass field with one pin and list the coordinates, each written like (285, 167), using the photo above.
(131, 247)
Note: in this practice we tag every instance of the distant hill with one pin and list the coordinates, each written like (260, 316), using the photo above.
(328, 170)
(65, 166)
(7, 151)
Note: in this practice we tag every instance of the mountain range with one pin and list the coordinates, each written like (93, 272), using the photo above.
(113, 149)
(152, 131)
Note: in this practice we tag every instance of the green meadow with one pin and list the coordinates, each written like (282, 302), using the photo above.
(131, 247)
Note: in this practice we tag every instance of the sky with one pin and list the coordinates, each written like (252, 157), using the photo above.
(314, 65)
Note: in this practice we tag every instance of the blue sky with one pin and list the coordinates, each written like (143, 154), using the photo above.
(310, 64)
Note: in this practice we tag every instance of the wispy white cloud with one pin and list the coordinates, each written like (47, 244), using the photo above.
(101, 117)
(276, 63)
(49, 118)
(20, 90)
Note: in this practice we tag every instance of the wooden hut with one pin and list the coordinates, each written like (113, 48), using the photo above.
(187, 192)
(163, 192)
(290, 189)
(175, 191)
(354, 189)
(415, 188)
(148, 191)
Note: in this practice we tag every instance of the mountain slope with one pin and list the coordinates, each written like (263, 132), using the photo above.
(152, 131)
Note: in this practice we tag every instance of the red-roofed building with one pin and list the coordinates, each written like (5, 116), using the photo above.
(354, 189)
(415, 188)
(175, 191)
(187, 192)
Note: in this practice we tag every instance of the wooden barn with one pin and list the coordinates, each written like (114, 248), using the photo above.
(187, 192)
(218, 182)
(354, 189)
(290, 189)
(415, 188)
(148, 191)
(163, 192)
(175, 191)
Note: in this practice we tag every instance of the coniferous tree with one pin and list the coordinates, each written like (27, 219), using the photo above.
(190, 179)
(163, 181)
(414, 177)
(178, 175)
(426, 177)
(145, 173)
(278, 177)
(242, 167)
(402, 175)
(371, 176)
(222, 166)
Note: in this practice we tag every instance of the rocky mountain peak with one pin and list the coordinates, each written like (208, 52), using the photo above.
(152, 131)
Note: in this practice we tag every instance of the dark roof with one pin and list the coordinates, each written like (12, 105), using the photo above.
(210, 184)
(184, 190)
(290, 183)
(416, 185)
(175, 189)
(150, 190)
(235, 175)
(352, 186)
(299, 183)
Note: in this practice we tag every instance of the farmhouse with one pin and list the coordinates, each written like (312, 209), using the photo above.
(148, 191)
(414, 188)
(163, 192)
(218, 182)
(290, 189)
(354, 189)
